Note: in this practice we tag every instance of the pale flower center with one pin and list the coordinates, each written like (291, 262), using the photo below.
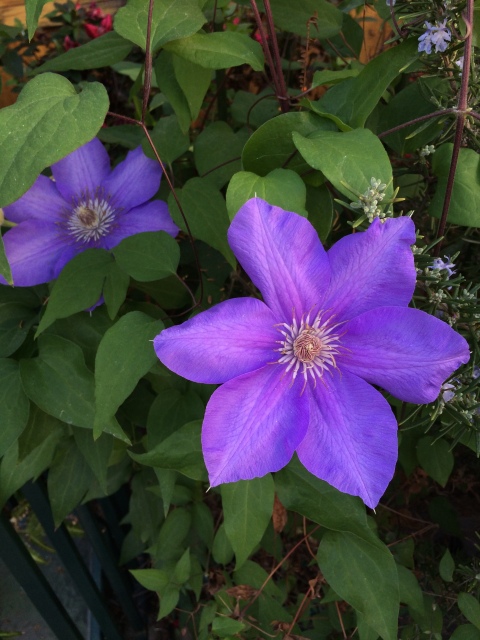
(309, 348)
(91, 219)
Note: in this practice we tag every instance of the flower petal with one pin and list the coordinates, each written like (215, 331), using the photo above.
(283, 256)
(152, 216)
(82, 171)
(252, 425)
(41, 201)
(372, 269)
(351, 441)
(32, 249)
(133, 181)
(406, 351)
(232, 338)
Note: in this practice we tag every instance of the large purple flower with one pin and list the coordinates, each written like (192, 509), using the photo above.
(88, 205)
(297, 369)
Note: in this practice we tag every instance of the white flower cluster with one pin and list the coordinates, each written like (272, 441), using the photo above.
(427, 150)
(370, 199)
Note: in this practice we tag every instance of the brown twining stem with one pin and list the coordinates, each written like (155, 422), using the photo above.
(276, 568)
(428, 116)
(175, 197)
(275, 65)
(462, 108)
(147, 85)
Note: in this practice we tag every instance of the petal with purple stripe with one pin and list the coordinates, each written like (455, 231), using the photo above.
(252, 425)
(282, 254)
(406, 351)
(230, 339)
(351, 441)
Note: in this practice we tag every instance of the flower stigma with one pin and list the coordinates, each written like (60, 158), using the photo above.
(309, 348)
(90, 219)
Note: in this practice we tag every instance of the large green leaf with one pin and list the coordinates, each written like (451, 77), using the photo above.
(33, 9)
(96, 453)
(436, 457)
(148, 256)
(364, 574)
(14, 404)
(317, 500)
(281, 187)
(470, 607)
(169, 140)
(124, 355)
(354, 99)
(61, 385)
(16, 320)
(194, 81)
(247, 510)
(78, 287)
(206, 212)
(271, 146)
(219, 50)
(217, 152)
(170, 87)
(181, 451)
(172, 19)
(347, 158)
(48, 121)
(100, 52)
(297, 17)
(465, 203)
(69, 479)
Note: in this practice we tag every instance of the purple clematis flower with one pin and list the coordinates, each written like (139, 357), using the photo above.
(88, 205)
(297, 369)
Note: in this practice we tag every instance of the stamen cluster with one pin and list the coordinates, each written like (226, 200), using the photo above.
(91, 219)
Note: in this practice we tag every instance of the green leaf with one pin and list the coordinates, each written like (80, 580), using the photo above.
(297, 18)
(78, 287)
(206, 212)
(148, 256)
(222, 550)
(151, 579)
(302, 492)
(354, 99)
(100, 52)
(327, 76)
(364, 574)
(33, 9)
(465, 203)
(69, 478)
(320, 210)
(170, 410)
(96, 453)
(15, 472)
(465, 632)
(182, 452)
(172, 19)
(219, 50)
(115, 289)
(215, 149)
(446, 567)
(436, 458)
(281, 187)
(247, 510)
(194, 81)
(14, 404)
(343, 159)
(5, 270)
(128, 135)
(48, 121)
(227, 627)
(169, 140)
(168, 83)
(409, 589)
(124, 355)
(61, 385)
(470, 607)
(15, 322)
(271, 146)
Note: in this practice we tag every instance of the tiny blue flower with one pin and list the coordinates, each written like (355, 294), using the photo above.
(446, 264)
(438, 35)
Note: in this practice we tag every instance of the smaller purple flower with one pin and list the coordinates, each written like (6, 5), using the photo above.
(438, 35)
(87, 205)
(391, 3)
